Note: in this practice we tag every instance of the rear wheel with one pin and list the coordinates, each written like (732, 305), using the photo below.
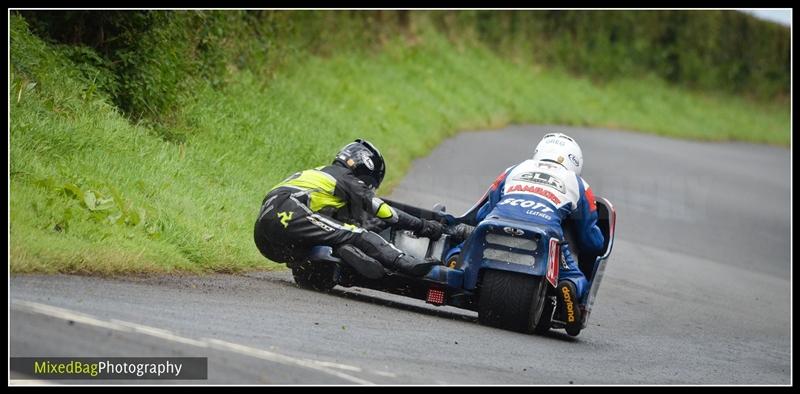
(315, 276)
(511, 300)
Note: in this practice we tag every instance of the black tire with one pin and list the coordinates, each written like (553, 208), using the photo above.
(511, 301)
(317, 276)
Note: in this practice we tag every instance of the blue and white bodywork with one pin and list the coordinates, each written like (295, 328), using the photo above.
(528, 251)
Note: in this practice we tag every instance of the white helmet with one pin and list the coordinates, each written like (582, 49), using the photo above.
(561, 149)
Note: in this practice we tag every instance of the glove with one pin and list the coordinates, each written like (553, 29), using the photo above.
(430, 229)
(459, 232)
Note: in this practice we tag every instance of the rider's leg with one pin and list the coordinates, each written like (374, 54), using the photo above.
(286, 229)
(391, 257)
(572, 286)
(360, 261)
(319, 229)
(291, 224)
(270, 236)
(569, 270)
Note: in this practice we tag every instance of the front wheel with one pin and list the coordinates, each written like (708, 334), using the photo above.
(315, 276)
(511, 300)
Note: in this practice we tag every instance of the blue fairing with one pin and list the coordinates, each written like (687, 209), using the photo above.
(453, 278)
(497, 243)
(475, 257)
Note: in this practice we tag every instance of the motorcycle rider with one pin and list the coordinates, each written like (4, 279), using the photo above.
(330, 205)
(548, 189)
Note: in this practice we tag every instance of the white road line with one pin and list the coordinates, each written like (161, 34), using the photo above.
(383, 373)
(280, 358)
(65, 314)
(159, 333)
(119, 325)
(336, 365)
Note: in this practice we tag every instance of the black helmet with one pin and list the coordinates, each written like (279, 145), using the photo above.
(364, 160)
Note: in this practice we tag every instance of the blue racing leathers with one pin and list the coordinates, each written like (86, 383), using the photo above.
(547, 193)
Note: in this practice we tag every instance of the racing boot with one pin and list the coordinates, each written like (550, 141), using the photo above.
(358, 260)
(413, 266)
(568, 304)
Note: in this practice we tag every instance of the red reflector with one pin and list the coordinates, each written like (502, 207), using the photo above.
(436, 296)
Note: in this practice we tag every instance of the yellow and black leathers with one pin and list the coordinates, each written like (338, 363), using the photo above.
(326, 206)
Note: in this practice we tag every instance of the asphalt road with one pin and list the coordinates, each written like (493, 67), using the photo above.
(697, 290)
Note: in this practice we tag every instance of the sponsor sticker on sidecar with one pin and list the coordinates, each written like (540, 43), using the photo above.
(552, 262)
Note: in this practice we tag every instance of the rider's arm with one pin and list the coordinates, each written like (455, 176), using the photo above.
(395, 217)
(495, 192)
(590, 238)
(363, 199)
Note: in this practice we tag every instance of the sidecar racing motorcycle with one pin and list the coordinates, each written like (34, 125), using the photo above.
(506, 270)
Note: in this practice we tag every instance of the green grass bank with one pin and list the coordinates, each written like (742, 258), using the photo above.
(97, 191)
